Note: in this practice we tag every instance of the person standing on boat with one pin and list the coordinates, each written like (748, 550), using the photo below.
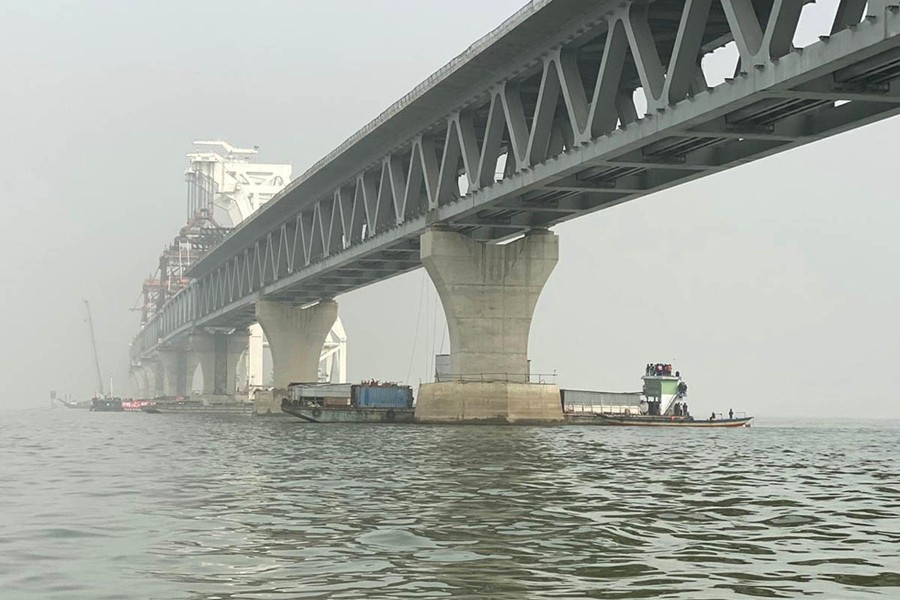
(730, 414)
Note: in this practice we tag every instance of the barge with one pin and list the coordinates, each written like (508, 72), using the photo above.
(106, 404)
(661, 403)
(199, 406)
(370, 402)
(116, 404)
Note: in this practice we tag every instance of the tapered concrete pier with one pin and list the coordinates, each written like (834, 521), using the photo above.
(173, 361)
(296, 336)
(489, 293)
(217, 354)
(155, 377)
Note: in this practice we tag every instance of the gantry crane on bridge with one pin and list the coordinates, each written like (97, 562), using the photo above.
(224, 187)
(194, 240)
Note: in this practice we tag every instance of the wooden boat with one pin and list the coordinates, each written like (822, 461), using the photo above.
(649, 421)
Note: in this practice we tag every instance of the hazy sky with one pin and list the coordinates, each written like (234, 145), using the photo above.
(772, 286)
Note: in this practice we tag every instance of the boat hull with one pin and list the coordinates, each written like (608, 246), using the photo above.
(648, 421)
(196, 408)
(351, 414)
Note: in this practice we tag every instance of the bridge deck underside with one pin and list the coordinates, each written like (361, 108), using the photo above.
(558, 137)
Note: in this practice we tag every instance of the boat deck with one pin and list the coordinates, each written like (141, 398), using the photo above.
(349, 414)
(652, 421)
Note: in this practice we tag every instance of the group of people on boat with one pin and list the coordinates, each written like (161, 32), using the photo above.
(660, 370)
(730, 415)
(679, 409)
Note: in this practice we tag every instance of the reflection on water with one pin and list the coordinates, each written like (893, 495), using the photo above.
(179, 506)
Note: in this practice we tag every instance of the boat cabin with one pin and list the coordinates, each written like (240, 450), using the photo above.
(664, 391)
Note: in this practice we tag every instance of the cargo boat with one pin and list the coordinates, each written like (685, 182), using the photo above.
(370, 402)
(106, 404)
(68, 402)
(661, 403)
(116, 404)
(202, 406)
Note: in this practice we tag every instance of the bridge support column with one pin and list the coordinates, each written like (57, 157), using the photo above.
(138, 385)
(296, 337)
(217, 354)
(202, 352)
(174, 368)
(153, 374)
(191, 360)
(235, 345)
(255, 375)
(144, 379)
(489, 293)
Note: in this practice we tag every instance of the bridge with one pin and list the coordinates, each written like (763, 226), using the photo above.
(567, 108)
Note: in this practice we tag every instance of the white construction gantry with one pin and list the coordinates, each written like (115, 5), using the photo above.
(224, 182)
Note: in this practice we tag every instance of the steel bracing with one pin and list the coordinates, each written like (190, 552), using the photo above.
(200, 235)
(570, 107)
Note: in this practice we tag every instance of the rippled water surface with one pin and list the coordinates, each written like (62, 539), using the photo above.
(174, 506)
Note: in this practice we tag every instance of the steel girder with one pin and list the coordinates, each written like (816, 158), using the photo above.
(549, 132)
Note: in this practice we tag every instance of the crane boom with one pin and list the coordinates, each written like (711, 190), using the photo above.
(90, 321)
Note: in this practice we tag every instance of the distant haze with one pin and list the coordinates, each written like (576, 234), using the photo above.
(773, 287)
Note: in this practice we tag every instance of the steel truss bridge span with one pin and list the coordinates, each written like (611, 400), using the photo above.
(537, 124)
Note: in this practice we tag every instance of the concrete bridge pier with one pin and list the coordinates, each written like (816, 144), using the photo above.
(143, 381)
(217, 354)
(154, 376)
(296, 336)
(138, 385)
(191, 361)
(235, 344)
(174, 366)
(489, 293)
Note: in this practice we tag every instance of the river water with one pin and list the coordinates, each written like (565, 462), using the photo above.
(102, 505)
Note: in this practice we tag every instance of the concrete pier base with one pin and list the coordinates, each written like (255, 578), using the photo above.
(495, 402)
